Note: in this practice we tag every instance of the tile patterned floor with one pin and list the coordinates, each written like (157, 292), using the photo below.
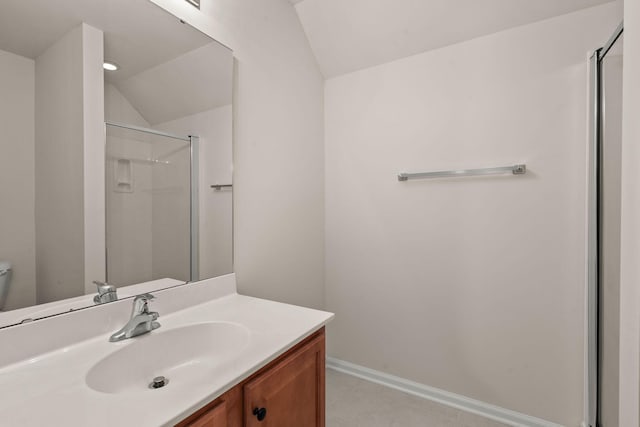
(352, 402)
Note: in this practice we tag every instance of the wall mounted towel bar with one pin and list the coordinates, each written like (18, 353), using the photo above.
(515, 170)
(219, 187)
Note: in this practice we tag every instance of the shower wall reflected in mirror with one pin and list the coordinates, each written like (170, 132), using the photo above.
(83, 201)
(148, 207)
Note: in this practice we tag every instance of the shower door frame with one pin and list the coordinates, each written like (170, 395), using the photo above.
(194, 204)
(594, 238)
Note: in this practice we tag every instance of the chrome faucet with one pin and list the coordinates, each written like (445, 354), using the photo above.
(142, 320)
(106, 293)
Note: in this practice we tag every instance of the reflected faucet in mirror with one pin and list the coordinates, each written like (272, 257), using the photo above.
(106, 293)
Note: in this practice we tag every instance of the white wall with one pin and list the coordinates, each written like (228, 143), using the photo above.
(630, 227)
(476, 285)
(59, 169)
(214, 127)
(278, 152)
(17, 179)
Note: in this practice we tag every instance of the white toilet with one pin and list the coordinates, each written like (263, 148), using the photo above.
(5, 280)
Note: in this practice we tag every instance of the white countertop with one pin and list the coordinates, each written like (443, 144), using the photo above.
(50, 389)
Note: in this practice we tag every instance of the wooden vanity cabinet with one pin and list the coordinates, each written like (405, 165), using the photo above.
(216, 416)
(289, 392)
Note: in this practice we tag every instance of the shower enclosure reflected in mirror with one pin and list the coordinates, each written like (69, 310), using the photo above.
(148, 176)
(85, 200)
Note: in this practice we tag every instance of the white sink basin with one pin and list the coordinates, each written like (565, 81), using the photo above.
(184, 355)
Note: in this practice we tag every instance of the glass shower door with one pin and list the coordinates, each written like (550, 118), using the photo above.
(604, 212)
(609, 226)
(148, 206)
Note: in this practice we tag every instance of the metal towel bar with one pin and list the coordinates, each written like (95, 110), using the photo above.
(515, 170)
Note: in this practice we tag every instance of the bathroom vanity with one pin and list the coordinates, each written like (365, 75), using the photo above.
(288, 392)
(228, 359)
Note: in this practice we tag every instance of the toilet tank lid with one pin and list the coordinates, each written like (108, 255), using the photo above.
(5, 265)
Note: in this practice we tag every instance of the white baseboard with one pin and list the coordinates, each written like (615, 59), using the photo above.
(473, 406)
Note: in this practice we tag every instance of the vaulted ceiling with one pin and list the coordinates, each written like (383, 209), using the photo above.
(348, 35)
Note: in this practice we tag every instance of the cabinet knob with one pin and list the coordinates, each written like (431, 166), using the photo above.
(260, 413)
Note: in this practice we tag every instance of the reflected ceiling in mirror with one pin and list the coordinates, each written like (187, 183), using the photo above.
(85, 201)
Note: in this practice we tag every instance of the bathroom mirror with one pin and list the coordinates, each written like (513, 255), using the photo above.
(115, 153)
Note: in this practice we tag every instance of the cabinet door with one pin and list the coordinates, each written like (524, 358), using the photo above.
(215, 417)
(291, 393)
(225, 411)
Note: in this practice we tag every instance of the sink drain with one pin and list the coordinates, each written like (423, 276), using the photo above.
(159, 382)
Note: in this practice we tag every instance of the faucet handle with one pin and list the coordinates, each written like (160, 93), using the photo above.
(141, 303)
(145, 296)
